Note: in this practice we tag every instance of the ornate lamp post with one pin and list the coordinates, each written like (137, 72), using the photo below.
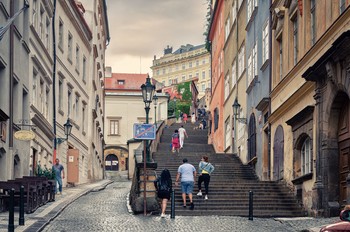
(155, 102)
(67, 131)
(147, 94)
(236, 107)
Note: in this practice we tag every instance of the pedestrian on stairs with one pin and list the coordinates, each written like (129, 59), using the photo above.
(204, 171)
(187, 173)
(182, 134)
(163, 185)
(175, 141)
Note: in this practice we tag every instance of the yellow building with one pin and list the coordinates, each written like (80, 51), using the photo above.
(186, 63)
(310, 89)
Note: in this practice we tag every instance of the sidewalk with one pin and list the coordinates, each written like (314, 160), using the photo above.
(46, 213)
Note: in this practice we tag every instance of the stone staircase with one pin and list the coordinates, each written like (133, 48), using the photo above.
(230, 182)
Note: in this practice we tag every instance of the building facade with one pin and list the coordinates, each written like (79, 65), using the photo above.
(310, 101)
(44, 98)
(258, 83)
(186, 63)
(125, 107)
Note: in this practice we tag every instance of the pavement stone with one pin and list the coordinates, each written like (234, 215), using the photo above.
(86, 208)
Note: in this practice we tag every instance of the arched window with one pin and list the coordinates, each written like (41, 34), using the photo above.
(306, 157)
(251, 138)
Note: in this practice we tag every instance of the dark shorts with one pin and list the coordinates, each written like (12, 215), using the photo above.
(164, 194)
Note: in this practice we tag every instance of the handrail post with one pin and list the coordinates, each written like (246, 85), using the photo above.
(250, 205)
(21, 206)
(172, 215)
(11, 226)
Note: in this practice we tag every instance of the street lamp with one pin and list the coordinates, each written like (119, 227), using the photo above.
(147, 95)
(67, 131)
(175, 106)
(236, 107)
(155, 102)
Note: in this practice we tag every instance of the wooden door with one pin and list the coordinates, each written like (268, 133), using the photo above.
(278, 154)
(73, 166)
(344, 152)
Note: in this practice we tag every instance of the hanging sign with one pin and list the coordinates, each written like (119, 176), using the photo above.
(24, 135)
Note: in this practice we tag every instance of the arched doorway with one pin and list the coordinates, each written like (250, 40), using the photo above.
(252, 138)
(278, 154)
(340, 109)
(112, 163)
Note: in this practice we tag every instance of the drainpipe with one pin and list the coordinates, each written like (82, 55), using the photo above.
(11, 79)
(54, 81)
(270, 88)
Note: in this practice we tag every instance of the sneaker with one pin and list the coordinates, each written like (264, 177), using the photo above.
(162, 215)
(206, 197)
(192, 206)
(199, 193)
(184, 206)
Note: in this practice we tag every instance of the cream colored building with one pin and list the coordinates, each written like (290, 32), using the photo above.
(310, 101)
(186, 63)
(124, 107)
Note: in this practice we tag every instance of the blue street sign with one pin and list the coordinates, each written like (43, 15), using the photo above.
(144, 131)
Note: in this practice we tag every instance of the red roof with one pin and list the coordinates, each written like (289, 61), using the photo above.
(125, 81)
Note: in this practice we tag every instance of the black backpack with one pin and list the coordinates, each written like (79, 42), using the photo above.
(163, 186)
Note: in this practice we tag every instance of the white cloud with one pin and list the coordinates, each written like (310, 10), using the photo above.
(143, 28)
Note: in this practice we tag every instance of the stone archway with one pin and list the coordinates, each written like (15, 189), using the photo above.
(112, 163)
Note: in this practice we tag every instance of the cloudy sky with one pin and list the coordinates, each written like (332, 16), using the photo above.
(140, 29)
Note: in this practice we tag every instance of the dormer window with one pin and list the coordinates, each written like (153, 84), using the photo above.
(121, 82)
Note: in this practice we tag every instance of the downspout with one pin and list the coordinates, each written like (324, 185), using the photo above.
(54, 80)
(235, 116)
(270, 88)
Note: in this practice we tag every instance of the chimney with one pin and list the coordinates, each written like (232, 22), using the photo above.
(108, 71)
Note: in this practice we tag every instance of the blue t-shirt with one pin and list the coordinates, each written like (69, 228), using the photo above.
(58, 169)
(186, 170)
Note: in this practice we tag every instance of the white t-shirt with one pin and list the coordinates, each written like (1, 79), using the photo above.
(182, 132)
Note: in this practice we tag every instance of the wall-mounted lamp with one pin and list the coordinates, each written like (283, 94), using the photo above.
(67, 130)
(236, 108)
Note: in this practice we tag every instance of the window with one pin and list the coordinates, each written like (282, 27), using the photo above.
(306, 157)
(280, 49)
(114, 127)
(342, 6)
(183, 66)
(227, 28)
(177, 67)
(203, 61)
(42, 97)
(157, 72)
(216, 119)
(241, 57)
(77, 107)
(190, 64)
(84, 68)
(60, 94)
(265, 43)
(190, 76)
(227, 133)
(183, 78)
(203, 75)
(255, 60)
(251, 7)
(197, 74)
(197, 63)
(42, 24)
(83, 114)
(34, 93)
(234, 77)
(203, 87)
(47, 33)
(234, 13)
(60, 34)
(313, 21)
(163, 70)
(227, 87)
(70, 44)
(121, 82)
(77, 58)
(69, 101)
(249, 69)
(295, 40)
(34, 13)
(47, 98)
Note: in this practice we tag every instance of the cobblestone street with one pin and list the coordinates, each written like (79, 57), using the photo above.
(106, 210)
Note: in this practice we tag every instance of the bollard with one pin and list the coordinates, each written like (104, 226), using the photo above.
(21, 206)
(250, 217)
(11, 226)
(172, 215)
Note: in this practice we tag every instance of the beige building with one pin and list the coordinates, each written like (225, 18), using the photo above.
(310, 101)
(81, 39)
(124, 107)
(186, 63)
